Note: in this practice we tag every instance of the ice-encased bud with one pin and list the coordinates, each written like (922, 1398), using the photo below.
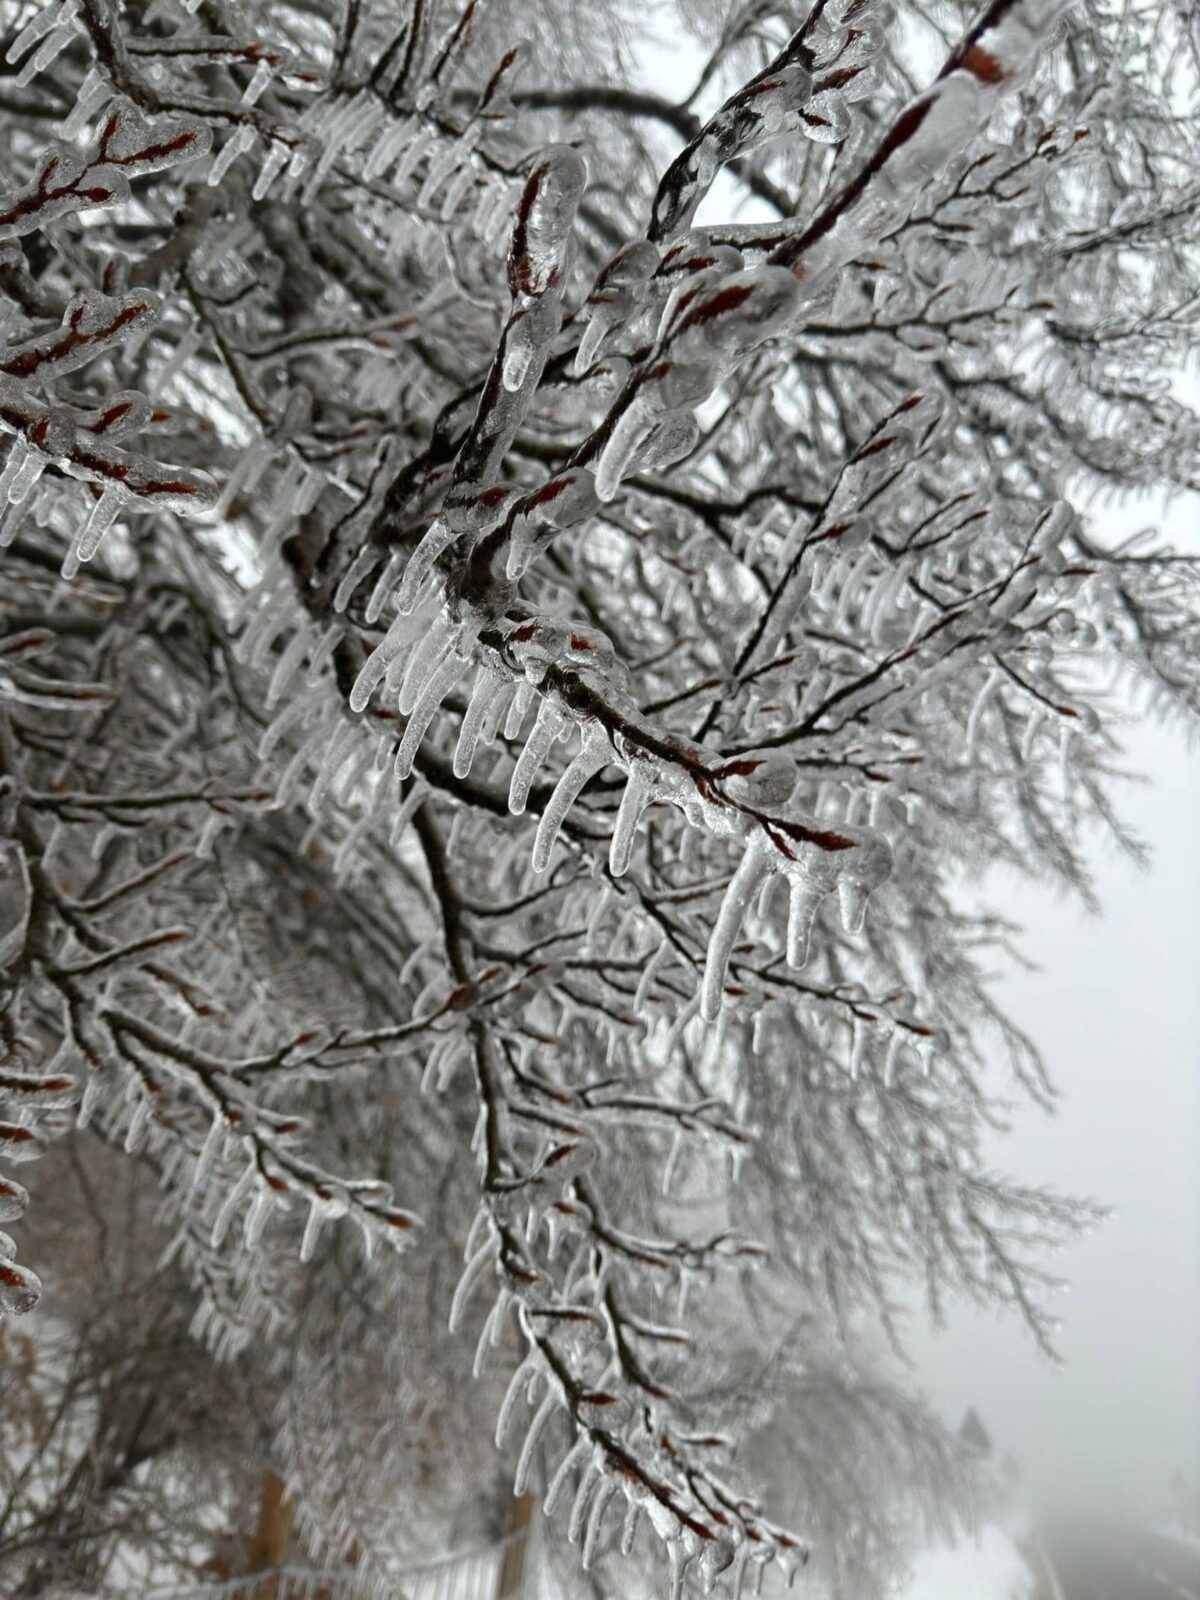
(736, 314)
(761, 779)
(546, 213)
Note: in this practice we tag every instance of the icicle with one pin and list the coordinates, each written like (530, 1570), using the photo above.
(289, 663)
(486, 687)
(325, 648)
(59, 37)
(600, 907)
(136, 1128)
(595, 1521)
(385, 149)
(42, 22)
(579, 1506)
(474, 1270)
(802, 913)
(18, 454)
(358, 569)
(852, 902)
(89, 1102)
(104, 513)
(633, 802)
(237, 144)
(508, 1406)
(384, 585)
(26, 475)
(742, 888)
(989, 686)
(649, 973)
(378, 664)
(594, 755)
(437, 539)
(895, 1042)
(622, 445)
(230, 1204)
(276, 159)
(598, 325)
(10, 525)
(1032, 727)
(629, 1528)
(483, 1345)
(438, 685)
(525, 1460)
(185, 349)
(547, 726)
(406, 812)
(295, 713)
(259, 80)
(427, 655)
(257, 1216)
(335, 752)
(312, 1229)
(518, 707)
(678, 1558)
(563, 1471)
(858, 1047)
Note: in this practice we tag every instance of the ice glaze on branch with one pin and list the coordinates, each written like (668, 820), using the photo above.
(705, 598)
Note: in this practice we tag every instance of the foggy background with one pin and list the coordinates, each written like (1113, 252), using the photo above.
(1115, 1010)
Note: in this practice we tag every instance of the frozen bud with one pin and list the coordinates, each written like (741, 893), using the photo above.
(476, 513)
(567, 1161)
(18, 1143)
(826, 119)
(671, 385)
(536, 645)
(762, 779)
(20, 1289)
(675, 437)
(604, 1410)
(545, 216)
(715, 1557)
(632, 264)
(13, 1200)
(589, 647)
(559, 503)
(694, 254)
(740, 312)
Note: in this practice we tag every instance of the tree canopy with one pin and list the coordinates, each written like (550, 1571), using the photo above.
(546, 550)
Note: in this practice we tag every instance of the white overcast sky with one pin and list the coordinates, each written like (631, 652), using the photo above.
(1115, 1008)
